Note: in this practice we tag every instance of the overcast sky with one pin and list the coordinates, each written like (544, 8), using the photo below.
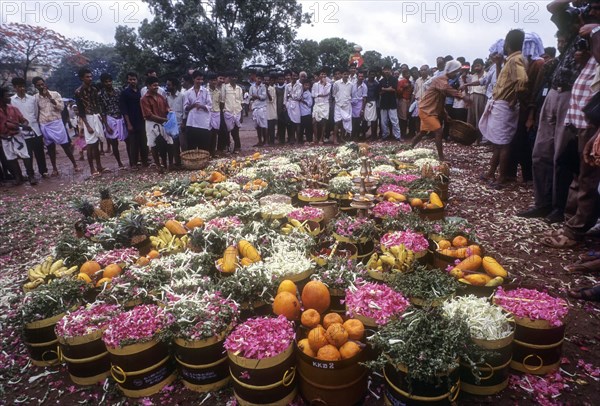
(415, 32)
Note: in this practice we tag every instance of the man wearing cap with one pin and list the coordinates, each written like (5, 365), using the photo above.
(29, 108)
(431, 106)
(500, 118)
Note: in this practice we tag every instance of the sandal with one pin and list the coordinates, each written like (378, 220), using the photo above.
(588, 266)
(590, 294)
(559, 241)
(96, 174)
(589, 256)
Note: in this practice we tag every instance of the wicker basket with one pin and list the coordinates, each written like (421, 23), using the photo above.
(195, 159)
(463, 133)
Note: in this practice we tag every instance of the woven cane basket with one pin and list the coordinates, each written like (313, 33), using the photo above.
(463, 133)
(195, 159)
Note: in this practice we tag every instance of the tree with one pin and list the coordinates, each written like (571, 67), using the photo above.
(372, 60)
(27, 45)
(303, 55)
(335, 52)
(217, 34)
(99, 58)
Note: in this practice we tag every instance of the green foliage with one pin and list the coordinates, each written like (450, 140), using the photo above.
(52, 299)
(425, 284)
(335, 52)
(426, 342)
(217, 34)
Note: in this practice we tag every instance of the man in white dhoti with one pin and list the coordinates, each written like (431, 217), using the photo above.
(359, 101)
(13, 143)
(499, 120)
(293, 97)
(198, 104)
(271, 107)
(155, 110)
(114, 123)
(342, 114)
(232, 96)
(50, 107)
(34, 139)
(88, 106)
(258, 98)
(320, 92)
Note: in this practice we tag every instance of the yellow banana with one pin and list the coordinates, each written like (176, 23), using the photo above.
(46, 265)
(388, 259)
(56, 265)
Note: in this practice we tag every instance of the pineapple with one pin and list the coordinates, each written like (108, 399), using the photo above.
(84, 207)
(131, 229)
(106, 203)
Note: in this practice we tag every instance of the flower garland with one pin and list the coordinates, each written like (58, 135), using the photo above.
(411, 240)
(261, 337)
(86, 320)
(377, 301)
(532, 304)
(139, 325)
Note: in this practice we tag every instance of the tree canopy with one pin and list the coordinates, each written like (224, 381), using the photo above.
(24, 46)
(213, 34)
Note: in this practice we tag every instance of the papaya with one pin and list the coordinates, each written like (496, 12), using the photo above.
(394, 195)
(175, 227)
(493, 268)
(472, 263)
(434, 198)
(478, 279)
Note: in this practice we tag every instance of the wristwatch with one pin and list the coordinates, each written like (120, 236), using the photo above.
(595, 30)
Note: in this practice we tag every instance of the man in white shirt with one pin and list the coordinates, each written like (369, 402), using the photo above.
(342, 114)
(198, 105)
(271, 108)
(293, 96)
(321, 92)
(50, 107)
(231, 104)
(176, 101)
(419, 91)
(359, 100)
(258, 98)
(29, 109)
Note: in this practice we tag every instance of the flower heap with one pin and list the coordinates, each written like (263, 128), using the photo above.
(376, 301)
(261, 337)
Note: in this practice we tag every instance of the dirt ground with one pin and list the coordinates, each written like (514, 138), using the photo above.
(512, 239)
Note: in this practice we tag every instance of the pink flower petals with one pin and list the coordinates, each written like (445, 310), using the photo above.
(223, 223)
(261, 337)
(136, 326)
(376, 301)
(532, 304)
(306, 213)
(411, 240)
(86, 320)
(390, 209)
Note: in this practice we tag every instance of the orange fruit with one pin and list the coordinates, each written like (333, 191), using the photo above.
(475, 249)
(331, 318)
(84, 277)
(195, 222)
(90, 268)
(355, 329)
(416, 202)
(287, 304)
(315, 295)
(111, 271)
(287, 286)
(103, 281)
(153, 254)
(305, 347)
(142, 261)
(310, 318)
(336, 335)
(316, 338)
(444, 244)
(328, 353)
(459, 241)
(349, 350)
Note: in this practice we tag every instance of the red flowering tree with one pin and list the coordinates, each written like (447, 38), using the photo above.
(24, 46)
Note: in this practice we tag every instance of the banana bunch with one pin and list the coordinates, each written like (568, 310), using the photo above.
(295, 225)
(167, 242)
(49, 269)
(395, 259)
